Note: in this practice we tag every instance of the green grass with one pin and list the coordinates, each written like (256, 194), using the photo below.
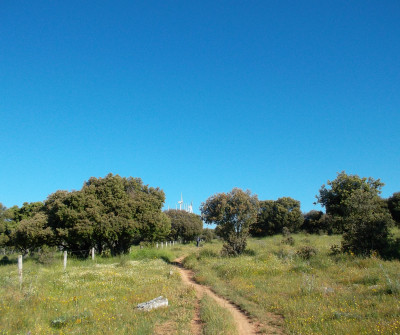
(326, 294)
(217, 320)
(96, 297)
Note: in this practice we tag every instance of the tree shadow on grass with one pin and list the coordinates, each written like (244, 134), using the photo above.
(6, 261)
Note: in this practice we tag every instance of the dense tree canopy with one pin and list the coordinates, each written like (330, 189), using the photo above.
(341, 189)
(3, 226)
(114, 212)
(184, 226)
(208, 234)
(32, 233)
(28, 210)
(233, 213)
(107, 213)
(356, 210)
(315, 222)
(273, 216)
(394, 207)
(366, 224)
(10, 231)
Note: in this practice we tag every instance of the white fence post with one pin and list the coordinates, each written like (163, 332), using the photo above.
(92, 254)
(65, 260)
(20, 270)
(157, 245)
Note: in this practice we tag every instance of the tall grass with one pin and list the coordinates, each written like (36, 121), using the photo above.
(217, 320)
(340, 294)
(97, 297)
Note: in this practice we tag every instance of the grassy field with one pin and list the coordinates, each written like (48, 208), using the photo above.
(325, 294)
(96, 297)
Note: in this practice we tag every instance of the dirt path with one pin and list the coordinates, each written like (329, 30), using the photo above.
(243, 324)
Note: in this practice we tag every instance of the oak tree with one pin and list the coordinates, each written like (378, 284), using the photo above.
(184, 226)
(233, 213)
(274, 216)
(394, 207)
(334, 198)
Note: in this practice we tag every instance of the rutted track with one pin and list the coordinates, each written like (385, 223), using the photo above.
(243, 323)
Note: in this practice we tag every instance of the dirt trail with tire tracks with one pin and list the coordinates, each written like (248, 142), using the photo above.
(243, 323)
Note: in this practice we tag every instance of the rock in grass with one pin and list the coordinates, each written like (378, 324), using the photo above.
(328, 290)
(155, 303)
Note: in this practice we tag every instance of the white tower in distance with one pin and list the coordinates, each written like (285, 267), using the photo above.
(186, 207)
(180, 203)
(190, 207)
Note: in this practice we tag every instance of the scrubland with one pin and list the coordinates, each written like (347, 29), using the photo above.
(323, 294)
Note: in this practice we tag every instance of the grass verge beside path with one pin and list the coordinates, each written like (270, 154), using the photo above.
(325, 294)
(97, 297)
(217, 320)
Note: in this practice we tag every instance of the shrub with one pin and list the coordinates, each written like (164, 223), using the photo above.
(208, 234)
(234, 246)
(288, 240)
(367, 225)
(306, 252)
(46, 255)
(285, 231)
(335, 250)
(284, 255)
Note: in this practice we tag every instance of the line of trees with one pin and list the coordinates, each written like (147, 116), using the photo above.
(110, 213)
(353, 206)
(113, 213)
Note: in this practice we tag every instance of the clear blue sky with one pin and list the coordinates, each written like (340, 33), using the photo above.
(198, 97)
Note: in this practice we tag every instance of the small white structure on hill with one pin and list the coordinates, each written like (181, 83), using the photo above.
(186, 207)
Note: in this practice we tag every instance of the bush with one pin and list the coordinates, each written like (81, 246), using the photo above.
(285, 231)
(234, 246)
(284, 255)
(367, 225)
(335, 250)
(306, 252)
(46, 255)
(208, 234)
(288, 240)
